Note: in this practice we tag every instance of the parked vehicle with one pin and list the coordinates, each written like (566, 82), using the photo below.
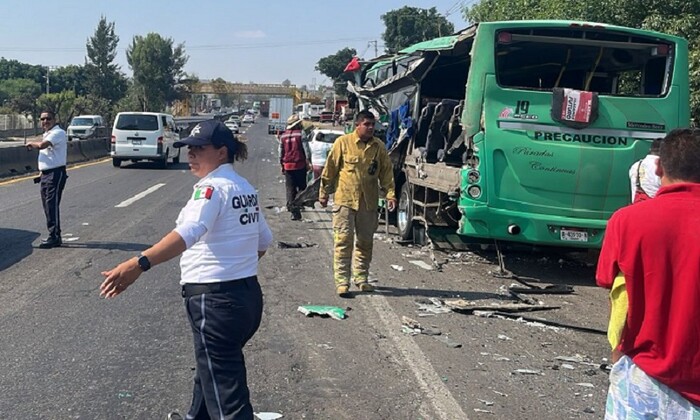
(530, 139)
(248, 119)
(85, 126)
(320, 144)
(309, 111)
(144, 136)
(326, 116)
(232, 125)
(281, 109)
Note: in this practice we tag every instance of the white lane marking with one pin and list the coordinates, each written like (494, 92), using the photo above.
(439, 397)
(139, 196)
(437, 394)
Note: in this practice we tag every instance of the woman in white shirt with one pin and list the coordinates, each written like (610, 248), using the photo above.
(221, 233)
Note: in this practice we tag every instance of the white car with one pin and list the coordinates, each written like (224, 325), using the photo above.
(320, 144)
(232, 126)
(249, 119)
(84, 126)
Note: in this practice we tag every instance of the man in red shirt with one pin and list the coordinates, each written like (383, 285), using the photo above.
(655, 244)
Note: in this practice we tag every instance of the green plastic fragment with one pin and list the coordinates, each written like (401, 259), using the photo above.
(332, 311)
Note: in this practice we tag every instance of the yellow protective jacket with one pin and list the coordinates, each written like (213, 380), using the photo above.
(347, 172)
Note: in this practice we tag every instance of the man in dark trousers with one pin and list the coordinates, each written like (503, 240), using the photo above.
(53, 150)
(295, 158)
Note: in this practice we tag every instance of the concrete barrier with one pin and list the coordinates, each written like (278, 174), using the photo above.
(18, 160)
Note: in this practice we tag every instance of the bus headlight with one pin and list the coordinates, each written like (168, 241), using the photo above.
(474, 191)
(473, 177)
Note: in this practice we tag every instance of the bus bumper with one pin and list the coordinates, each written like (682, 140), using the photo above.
(532, 228)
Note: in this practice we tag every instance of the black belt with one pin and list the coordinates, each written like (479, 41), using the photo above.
(219, 287)
(48, 171)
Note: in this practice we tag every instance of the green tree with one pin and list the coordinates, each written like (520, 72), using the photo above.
(157, 66)
(13, 69)
(19, 95)
(409, 25)
(333, 66)
(676, 17)
(70, 77)
(103, 77)
(93, 104)
(60, 103)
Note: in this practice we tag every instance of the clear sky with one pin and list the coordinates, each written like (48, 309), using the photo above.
(264, 41)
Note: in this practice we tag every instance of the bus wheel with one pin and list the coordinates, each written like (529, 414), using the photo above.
(404, 213)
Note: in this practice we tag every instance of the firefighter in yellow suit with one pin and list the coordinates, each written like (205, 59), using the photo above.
(357, 166)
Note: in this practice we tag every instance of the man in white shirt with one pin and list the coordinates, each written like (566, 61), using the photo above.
(53, 150)
(643, 179)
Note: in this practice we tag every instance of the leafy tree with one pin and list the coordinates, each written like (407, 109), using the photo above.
(20, 95)
(409, 25)
(93, 104)
(333, 66)
(70, 77)
(13, 69)
(157, 67)
(60, 103)
(677, 17)
(103, 77)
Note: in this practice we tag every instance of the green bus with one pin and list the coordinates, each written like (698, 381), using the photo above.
(525, 131)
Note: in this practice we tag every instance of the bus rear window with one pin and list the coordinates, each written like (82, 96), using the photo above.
(137, 122)
(603, 61)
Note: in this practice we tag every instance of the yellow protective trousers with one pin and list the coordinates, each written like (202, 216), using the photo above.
(353, 230)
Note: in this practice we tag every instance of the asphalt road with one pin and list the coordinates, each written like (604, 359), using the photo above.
(68, 354)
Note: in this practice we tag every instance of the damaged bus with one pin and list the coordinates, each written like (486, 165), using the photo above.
(525, 131)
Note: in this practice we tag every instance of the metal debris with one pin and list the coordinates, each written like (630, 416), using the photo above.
(397, 267)
(529, 372)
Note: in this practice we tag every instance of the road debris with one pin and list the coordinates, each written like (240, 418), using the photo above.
(486, 403)
(422, 264)
(432, 305)
(289, 245)
(503, 337)
(529, 372)
(332, 311)
(413, 327)
(397, 267)
(518, 317)
(479, 410)
(448, 341)
(462, 305)
(586, 384)
(268, 416)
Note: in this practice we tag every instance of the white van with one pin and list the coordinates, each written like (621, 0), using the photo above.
(144, 136)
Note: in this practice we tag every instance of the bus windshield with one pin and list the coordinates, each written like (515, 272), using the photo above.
(606, 62)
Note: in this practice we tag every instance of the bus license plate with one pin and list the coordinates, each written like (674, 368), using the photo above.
(573, 235)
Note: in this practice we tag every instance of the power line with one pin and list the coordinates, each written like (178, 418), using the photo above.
(213, 47)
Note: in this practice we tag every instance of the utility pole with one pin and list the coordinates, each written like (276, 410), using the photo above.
(48, 78)
(375, 47)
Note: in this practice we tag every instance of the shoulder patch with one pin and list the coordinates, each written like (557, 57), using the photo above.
(203, 192)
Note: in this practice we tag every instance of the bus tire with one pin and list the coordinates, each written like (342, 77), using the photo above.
(404, 212)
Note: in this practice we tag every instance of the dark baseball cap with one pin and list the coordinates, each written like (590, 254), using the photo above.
(209, 132)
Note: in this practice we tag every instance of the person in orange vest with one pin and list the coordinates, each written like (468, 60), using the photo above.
(295, 157)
